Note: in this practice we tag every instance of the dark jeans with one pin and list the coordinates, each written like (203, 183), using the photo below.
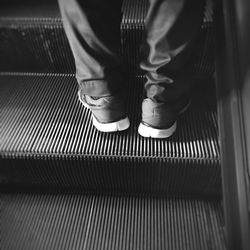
(93, 30)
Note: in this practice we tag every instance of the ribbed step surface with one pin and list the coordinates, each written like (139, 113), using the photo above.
(85, 221)
(32, 39)
(47, 138)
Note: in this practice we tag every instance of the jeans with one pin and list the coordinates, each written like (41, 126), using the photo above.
(93, 31)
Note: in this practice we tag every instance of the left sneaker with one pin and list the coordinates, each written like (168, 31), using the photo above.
(108, 112)
(159, 120)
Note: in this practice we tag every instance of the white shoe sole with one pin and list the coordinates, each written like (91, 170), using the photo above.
(120, 125)
(147, 131)
(112, 126)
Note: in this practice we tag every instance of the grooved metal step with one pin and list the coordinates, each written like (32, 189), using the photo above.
(98, 222)
(47, 139)
(32, 39)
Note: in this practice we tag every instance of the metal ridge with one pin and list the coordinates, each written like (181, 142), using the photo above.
(74, 221)
(35, 122)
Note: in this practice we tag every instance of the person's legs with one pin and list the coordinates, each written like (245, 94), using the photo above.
(171, 31)
(93, 31)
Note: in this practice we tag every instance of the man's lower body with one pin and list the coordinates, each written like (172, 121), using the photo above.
(93, 30)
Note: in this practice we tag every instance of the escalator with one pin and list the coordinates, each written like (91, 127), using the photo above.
(65, 185)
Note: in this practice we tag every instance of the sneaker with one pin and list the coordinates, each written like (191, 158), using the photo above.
(107, 112)
(159, 120)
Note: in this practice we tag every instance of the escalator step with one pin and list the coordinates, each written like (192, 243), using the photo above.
(92, 221)
(32, 39)
(45, 140)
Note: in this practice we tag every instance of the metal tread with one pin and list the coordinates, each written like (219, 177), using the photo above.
(45, 142)
(42, 115)
(93, 221)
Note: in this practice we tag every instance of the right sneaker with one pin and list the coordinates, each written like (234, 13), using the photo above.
(107, 112)
(159, 120)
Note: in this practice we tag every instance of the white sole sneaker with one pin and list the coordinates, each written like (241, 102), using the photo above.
(120, 125)
(147, 131)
